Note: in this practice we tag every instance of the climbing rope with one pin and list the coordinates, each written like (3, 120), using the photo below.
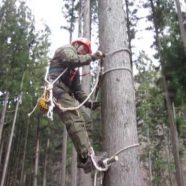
(117, 68)
(107, 162)
(103, 73)
(117, 51)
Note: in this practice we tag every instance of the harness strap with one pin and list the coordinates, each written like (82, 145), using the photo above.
(73, 75)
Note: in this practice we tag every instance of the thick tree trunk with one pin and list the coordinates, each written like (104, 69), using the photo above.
(180, 18)
(64, 156)
(3, 114)
(118, 96)
(10, 142)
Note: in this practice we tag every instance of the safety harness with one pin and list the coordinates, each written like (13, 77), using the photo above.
(47, 101)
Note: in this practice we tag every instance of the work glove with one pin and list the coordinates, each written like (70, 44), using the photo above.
(97, 55)
(93, 105)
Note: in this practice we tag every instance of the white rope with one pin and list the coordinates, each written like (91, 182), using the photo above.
(117, 51)
(49, 87)
(33, 110)
(51, 98)
(117, 68)
(95, 177)
(107, 161)
(81, 104)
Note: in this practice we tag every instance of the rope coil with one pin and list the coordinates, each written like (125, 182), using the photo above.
(50, 100)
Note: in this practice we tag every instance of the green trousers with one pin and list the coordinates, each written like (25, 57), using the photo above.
(77, 122)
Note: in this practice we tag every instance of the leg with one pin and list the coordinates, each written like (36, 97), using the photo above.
(73, 120)
(75, 125)
(88, 122)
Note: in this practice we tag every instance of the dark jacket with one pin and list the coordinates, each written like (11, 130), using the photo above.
(67, 57)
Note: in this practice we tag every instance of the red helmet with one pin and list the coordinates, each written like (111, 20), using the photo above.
(85, 42)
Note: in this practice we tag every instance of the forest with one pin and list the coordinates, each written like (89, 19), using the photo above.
(142, 94)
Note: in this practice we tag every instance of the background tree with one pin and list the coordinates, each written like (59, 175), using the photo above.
(23, 51)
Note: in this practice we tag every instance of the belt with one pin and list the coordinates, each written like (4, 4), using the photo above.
(58, 70)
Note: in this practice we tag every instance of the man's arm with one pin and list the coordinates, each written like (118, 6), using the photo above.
(69, 57)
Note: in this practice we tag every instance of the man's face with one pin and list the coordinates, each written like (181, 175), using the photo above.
(82, 49)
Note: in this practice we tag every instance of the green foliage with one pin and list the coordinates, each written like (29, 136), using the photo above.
(23, 58)
(70, 12)
(171, 54)
(152, 120)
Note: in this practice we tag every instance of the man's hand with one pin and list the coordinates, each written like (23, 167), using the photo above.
(98, 55)
(93, 105)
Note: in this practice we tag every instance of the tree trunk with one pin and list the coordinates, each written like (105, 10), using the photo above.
(180, 19)
(118, 96)
(74, 168)
(64, 155)
(174, 137)
(1, 152)
(35, 181)
(86, 33)
(85, 179)
(10, 142)
(169, 159)
(129, 32)
(65, 136)
(46, 162)
(24, 155)
(149, 158)
(3, 114)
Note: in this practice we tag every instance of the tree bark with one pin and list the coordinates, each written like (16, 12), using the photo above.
(63, 160)
(10, 142)
(86, 34)
(85, 179)
(181, 25)
(74, 168)
(24, 155)
(118, 96)
(1, 152)
(37, 150)
(46, 162)
(3, 114)
(174, 137)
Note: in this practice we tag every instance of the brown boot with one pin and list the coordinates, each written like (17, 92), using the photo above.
(85, 164)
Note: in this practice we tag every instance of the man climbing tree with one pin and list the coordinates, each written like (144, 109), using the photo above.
(67, 59)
